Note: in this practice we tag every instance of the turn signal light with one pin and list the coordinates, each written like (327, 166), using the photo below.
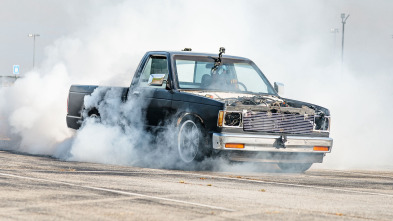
(316, 148)
(234, 145)
(220, 118)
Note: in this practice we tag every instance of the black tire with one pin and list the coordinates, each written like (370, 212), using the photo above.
(93, 113)
(190, 140)
(294, 167)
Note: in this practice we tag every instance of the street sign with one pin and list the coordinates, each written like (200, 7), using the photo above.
(16, 69)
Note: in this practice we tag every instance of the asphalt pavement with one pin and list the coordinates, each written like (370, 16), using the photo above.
(43, 188)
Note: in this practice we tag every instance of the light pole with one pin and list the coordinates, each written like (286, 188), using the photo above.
(343, 21)
(33, 36)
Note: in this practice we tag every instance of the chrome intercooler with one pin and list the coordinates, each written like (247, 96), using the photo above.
(278, 122)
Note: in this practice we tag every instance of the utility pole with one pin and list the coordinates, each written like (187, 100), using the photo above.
(33, 36)
(343, 21)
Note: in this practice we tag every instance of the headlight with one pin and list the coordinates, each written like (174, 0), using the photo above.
(321, 123)
(229, 119)
(232, 119)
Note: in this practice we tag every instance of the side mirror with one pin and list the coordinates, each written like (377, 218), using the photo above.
(156, 79)
(279, 87)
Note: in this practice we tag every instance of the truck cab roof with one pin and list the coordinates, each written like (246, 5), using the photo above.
(191, 53)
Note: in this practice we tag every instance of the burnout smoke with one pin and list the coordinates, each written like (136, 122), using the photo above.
(290, 42)
(33, 114)
(117, 135)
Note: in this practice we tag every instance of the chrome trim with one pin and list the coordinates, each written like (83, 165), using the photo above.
(74, 92)
(70, 116)
(269, 143)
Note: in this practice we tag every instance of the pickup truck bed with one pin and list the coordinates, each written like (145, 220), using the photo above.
(76, 95)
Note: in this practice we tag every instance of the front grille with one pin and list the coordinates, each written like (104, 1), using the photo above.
(278, 122)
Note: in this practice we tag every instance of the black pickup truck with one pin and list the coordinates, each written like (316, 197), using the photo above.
(220, 105)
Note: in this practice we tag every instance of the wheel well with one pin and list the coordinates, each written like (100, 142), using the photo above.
(193, 115)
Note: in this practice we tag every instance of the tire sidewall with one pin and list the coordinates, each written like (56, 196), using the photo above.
(188, 120)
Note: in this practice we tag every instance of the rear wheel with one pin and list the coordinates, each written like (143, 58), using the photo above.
(190, 140)
(294, 167)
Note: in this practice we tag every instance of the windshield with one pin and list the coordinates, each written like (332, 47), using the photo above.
(233, 75)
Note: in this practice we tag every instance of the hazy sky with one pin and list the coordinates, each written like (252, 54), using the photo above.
(51, 19)
(101, 42)
(290, 23)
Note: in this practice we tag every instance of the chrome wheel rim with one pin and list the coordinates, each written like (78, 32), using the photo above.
(188, 141)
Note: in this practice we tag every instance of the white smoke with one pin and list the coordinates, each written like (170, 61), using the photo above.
(115, 135)
(290, 42)
(35, 108)
(118, 135)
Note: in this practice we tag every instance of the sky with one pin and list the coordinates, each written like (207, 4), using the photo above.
(293, 24)
(51, 19)
(101, 42)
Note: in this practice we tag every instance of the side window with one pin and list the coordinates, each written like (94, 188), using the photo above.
(155, 68)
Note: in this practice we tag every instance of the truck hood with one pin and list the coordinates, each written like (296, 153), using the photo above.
(261, 102)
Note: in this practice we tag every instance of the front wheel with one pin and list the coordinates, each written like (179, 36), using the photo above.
(294, 167)
(190, 141)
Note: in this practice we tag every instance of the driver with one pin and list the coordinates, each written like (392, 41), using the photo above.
(221, 79)
(224, 77)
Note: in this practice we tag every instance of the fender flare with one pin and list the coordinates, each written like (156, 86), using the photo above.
(181, 116)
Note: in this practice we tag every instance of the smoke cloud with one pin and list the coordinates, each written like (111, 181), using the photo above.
(116, 133)
(290, 42)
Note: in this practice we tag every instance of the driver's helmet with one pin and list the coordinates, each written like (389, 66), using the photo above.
(222, 69)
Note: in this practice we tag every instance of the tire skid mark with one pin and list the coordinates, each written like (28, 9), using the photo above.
(118, 192)
(159, 171)
(82, 202)
(363, 174)
(288, 184)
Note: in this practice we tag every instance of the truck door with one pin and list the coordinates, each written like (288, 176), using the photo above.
(152, 86)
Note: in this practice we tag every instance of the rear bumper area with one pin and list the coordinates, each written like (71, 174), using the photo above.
(73, 122)
(272, 148)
